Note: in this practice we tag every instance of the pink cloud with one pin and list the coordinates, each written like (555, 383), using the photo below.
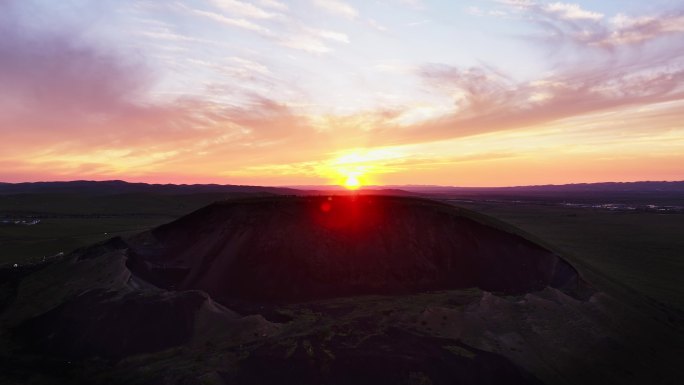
(570, 23)
(610, 64)
(488, 102)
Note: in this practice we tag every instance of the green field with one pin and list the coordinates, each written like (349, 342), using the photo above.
(637, 253)
(70, 221)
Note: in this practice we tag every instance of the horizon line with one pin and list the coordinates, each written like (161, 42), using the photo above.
(308, 186)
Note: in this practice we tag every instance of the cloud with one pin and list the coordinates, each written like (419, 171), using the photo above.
(626, 30)
(474, 89)
(485, 101)
(475, 11)
(246, 9)
(71, 107)
(291, 34)
(305, 42)
(273, 4)
(328, 34)
(569, 23)
(51, 75)
(591, 79)
(376, 26)
(571, 12)
(249, 67)
(337, 7)
(240, 23)
(67, 102)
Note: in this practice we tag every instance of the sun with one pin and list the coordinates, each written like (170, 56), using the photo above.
(352, 169)
(352, 182)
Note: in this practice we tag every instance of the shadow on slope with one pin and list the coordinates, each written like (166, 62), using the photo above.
(306, 248)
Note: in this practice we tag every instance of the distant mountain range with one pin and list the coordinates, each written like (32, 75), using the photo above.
(122, 187)
(645, 186)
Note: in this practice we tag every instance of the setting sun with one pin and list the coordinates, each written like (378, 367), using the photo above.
(352, 182)
(355, 168)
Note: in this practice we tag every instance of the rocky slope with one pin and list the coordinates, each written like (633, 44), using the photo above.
(319, 290)
(304, 248)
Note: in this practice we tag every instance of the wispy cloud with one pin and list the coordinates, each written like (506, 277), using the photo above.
(376, 25)
(240, 23)
(83, 110)
(485, 101)
(571, 11)
(625, 30)
(570, 22)
(313, 40)
(245, 9)
(337, 7)
(291, 33)
(273, 4)
(250, 66)
(305, 42)
(328, 35)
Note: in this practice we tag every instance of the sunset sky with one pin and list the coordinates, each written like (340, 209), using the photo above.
(271, 92)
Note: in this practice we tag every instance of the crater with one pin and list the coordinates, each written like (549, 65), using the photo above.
(306, 248)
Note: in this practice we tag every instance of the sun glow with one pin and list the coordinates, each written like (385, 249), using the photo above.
(352, 182)
(356, 168)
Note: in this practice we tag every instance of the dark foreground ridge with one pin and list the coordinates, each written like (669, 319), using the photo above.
(306, 248)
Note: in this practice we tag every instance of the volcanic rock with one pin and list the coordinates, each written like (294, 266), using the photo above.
(305, 248)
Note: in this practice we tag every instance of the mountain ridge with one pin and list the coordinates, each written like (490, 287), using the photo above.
(120, 187)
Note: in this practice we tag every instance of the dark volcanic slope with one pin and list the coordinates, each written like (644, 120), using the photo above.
(90, 318)
(304, 248)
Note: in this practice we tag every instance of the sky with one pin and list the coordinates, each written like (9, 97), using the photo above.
(304, 92)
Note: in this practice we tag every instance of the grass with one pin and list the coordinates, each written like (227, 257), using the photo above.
(641, 250)
(70, 221)
(25, 244)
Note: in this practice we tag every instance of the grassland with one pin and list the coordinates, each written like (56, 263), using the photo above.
(70, 221)
(636, 251)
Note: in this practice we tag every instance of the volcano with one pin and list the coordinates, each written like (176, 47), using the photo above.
(306, 248)
(343, 289)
